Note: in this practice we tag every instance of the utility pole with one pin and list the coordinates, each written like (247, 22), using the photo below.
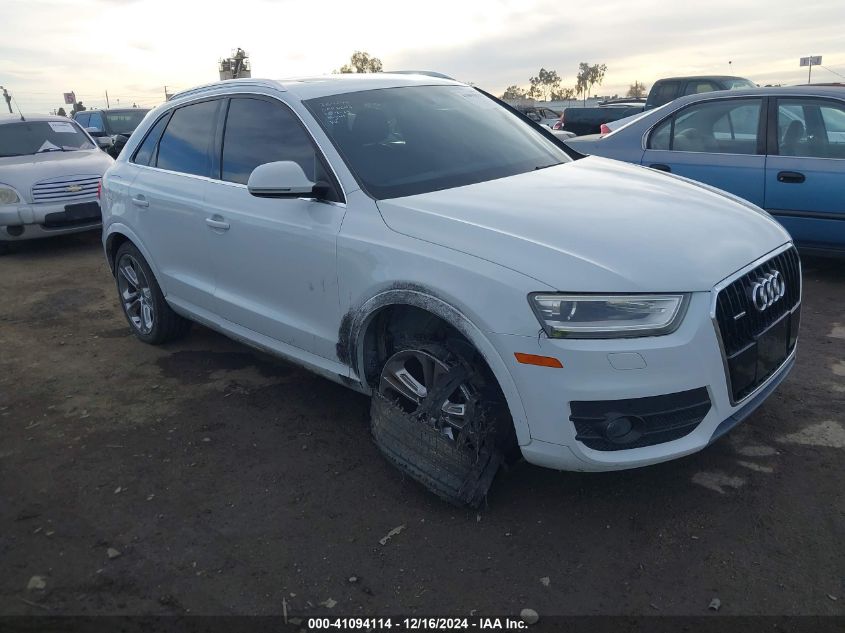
(107, 99)
(8, 98)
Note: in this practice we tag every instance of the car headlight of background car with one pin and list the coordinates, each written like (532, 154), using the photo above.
(8, 195)
(608, 316)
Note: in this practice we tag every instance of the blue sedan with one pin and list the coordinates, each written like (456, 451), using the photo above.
(781, 148)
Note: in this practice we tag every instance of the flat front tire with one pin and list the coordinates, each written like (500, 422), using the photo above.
(435, 418)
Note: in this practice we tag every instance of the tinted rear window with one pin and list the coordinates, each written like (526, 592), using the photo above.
(187, 142)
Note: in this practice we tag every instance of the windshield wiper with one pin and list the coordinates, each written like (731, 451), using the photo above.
(50, 149)
(8, 155)
(547, 166)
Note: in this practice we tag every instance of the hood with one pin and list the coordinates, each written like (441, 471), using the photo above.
(594, 225)
(21, 172)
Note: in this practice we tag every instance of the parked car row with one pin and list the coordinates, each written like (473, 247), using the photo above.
(582, 121)
(495, 292)
(782, 149)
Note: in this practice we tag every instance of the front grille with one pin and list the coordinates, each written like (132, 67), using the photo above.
(743, 327)
(67, 188)
(660, 418)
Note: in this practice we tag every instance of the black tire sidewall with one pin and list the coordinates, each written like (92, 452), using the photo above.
(160, 305)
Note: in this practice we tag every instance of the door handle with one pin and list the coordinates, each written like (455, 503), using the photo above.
(791, 176)
(214, 223)
(140, 201)
(661, 167)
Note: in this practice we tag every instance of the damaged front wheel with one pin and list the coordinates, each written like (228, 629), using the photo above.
(435, 417)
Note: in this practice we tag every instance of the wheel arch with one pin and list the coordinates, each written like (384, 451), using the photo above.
(357, 323)
(115, 236)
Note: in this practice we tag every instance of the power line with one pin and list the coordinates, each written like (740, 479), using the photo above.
(833, 71)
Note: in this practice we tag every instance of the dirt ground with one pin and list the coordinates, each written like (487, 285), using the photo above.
(229, 482)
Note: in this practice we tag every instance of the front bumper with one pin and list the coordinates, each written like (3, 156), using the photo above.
(646, 370)
(25, 221)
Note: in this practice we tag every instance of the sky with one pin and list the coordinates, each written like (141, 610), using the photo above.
(134, 48)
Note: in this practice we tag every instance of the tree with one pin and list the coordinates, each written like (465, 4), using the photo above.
(514, 92)
(361, 62)
(77, 107)
(563, 94)
(545, 83)
(636, 90)
(589, 76)
(61, 112)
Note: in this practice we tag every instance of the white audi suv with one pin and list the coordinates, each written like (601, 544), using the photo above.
(417, 240)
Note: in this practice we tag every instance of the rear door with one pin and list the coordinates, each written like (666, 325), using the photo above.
(805, 169)
(167, 198)
(718, 142)
(276, 258)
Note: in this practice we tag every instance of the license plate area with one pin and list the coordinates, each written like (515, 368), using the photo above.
(755, 363)
(81, 213)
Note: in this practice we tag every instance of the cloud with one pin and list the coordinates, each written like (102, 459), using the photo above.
(51, 46)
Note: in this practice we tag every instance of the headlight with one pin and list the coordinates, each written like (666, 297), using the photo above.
(8, 195)
(608, 316)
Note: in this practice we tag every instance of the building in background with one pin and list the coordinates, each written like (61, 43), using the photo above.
(236, 66)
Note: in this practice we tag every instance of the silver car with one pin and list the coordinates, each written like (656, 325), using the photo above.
(50, 170)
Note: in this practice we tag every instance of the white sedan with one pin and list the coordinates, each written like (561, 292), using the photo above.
(50, 170)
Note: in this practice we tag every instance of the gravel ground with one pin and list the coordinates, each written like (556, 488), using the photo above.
(202, 477)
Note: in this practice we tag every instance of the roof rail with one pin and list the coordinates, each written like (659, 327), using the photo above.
(429, 73)
(264, 83)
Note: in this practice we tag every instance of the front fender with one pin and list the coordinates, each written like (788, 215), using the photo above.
(356, 323)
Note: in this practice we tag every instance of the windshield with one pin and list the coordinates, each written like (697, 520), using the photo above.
(739, 84)
(124, 122)
(411, 140)
(32, 137)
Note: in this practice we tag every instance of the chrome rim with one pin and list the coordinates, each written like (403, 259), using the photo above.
(135, 294)
(410, 377)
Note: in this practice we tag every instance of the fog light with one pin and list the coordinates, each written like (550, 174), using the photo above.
(15, 231)
(622, 429)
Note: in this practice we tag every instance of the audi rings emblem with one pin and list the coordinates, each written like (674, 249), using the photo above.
(767, 290)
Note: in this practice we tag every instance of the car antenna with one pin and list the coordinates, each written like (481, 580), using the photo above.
(19, 109)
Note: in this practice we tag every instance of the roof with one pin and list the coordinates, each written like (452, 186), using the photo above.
(120, 109)
(785, 91)
(320, 86)
(16, 118)
(694, 77)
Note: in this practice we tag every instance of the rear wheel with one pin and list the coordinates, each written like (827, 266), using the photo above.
(437, 415)
(152, 320)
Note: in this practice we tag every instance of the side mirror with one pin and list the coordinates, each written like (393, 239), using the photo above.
(281, 179)
(95, 131)
(103, 142)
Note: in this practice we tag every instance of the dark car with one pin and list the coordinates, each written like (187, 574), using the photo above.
(114, 124)
(669, 89)
(582, 121)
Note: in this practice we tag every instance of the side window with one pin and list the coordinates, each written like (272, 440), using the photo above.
(187, 143)
(697, 87)
(665, 92)
(145, 155)
(811, 128)
(82, 119)
(96, 121)
(724, 127)
(661, 137)
(258, 132)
